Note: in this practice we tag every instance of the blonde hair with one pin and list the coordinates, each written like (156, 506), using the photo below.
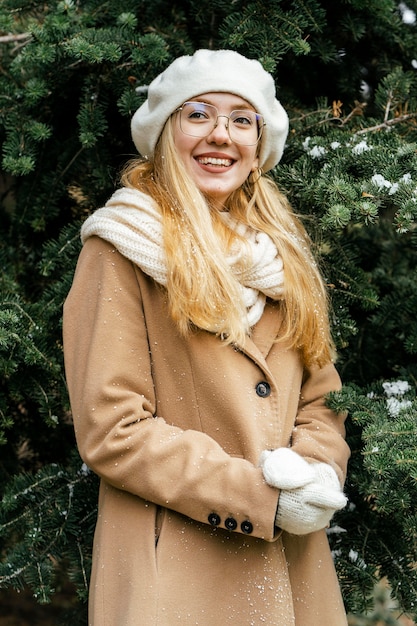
(201, 289)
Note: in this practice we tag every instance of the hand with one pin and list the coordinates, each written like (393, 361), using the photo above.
(285, 469)
(310, 508)
(310, 492)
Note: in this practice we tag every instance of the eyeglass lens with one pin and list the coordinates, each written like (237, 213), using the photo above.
(198, 119)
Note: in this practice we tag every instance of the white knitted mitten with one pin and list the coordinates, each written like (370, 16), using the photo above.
(285, 469)
(309, 508)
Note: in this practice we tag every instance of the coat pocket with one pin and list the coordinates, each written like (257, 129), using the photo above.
(159, 519)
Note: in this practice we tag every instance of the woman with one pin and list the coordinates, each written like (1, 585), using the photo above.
(198, 355)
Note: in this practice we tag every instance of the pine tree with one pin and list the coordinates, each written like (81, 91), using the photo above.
(71, 76)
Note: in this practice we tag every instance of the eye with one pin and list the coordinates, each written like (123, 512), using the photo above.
(197, 112)
(243, 118)
(197, 115)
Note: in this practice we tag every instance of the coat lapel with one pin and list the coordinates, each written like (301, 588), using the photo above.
(264, 334)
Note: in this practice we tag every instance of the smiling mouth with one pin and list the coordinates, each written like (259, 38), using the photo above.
(216, 162)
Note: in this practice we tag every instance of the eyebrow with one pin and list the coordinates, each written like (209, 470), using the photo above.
(240, 105)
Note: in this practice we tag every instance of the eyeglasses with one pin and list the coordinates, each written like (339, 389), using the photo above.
(199, 119)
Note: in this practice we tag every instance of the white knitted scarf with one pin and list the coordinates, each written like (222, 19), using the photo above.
(131, 222)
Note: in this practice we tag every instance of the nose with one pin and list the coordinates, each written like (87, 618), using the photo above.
(220, 132)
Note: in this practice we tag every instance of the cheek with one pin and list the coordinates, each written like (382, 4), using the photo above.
(184, 148)
(249, 158)
(181, 141)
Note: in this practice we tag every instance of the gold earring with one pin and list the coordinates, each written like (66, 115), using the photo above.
(255, 175)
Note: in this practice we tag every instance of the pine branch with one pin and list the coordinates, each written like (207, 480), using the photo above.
(387, 123)
(16, 37)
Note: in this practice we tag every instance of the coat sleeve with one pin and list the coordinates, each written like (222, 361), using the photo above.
(319, 433)
(109, 374)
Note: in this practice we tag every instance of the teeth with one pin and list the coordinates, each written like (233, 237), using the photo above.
(212, 161)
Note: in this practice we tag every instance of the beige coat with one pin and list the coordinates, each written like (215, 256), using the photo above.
(174, 427)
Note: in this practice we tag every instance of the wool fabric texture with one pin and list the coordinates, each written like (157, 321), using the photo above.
(310, 492)
(310, 508)
(285, 469)
(131, 222)
(212, 71)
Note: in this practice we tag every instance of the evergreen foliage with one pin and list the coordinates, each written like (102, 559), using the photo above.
(71, 75)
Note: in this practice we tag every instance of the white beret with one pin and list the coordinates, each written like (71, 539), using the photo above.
(212, 71)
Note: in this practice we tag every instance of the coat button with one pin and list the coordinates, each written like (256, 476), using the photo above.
(263, 389)
(230, 523)
(246, 527)
(214, 519)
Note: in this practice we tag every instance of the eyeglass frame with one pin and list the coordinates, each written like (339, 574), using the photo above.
(258, 116)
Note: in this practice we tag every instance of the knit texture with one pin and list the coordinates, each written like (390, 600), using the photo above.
(310, 492)
(131, 222)
(311, 507)
(285, 469)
